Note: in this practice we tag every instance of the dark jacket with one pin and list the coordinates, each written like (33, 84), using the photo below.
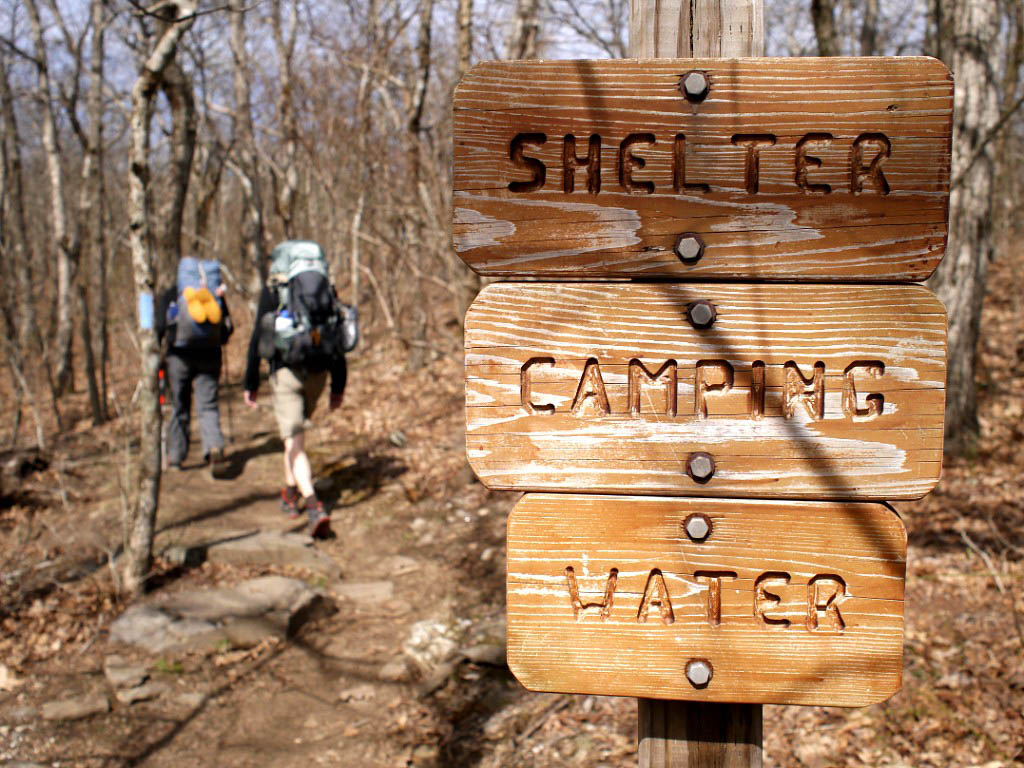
(168, 331)
(336, 365)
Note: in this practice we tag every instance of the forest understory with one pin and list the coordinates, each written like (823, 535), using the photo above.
(411, 522)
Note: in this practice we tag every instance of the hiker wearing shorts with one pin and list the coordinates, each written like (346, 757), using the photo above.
(297, 379)
(193, 366)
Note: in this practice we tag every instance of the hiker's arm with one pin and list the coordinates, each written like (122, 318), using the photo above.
(252, 364)
(228, 325)
(161, 313)
(339, 375)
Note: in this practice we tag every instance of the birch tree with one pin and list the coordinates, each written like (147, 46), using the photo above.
(175, 16)
(977, 52)
(65, 241)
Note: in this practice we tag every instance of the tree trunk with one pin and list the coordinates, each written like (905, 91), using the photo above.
(464, 49)
(823, 14)
(140, 518)
(90, 213)
(419, 317)
(960, 278)
(66, 243)
(30, 346)
(247, 166)
(869, 29)
(524, 42)
(287, 180)
(177, 87)
(208, 169)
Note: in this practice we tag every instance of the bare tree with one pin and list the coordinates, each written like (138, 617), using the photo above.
(524, 40)
(87, 215)
(869, 29)
(177, 88)
(245, 162)
(175, 17)
(823, 14)
(66, 241)
(960, 280)
(601, 23)
(286, 176)
(464, 36)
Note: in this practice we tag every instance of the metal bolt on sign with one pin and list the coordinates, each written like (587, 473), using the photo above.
(695, 85)
(689, 247)
(700, 466)
(701, 314)
(697, 526)
(699, 672)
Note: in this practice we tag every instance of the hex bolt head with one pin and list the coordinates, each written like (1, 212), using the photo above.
(700, 466)
(699, 672)
(695, 85)
(702, 314)
(697, 526)
(689, 247)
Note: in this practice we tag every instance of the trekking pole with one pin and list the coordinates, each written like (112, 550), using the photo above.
(162, 390)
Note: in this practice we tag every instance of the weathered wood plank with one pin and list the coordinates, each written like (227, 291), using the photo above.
(830, 121)
(799, 391)
(809, 606)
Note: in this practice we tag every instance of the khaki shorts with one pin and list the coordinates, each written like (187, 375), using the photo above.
(294, 399)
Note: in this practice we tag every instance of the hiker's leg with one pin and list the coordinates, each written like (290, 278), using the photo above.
(312, 386)
(179, 381)
(286, 396)
(207, 383)
(297, 470)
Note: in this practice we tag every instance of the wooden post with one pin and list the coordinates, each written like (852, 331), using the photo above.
(680, 734)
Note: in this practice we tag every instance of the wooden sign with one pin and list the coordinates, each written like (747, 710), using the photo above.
(789, 168)
(706, 600)
(796, 391)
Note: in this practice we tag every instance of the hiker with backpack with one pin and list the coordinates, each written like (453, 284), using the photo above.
(193, 319)
(303, 331)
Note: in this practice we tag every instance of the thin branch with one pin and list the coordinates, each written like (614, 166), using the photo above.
(993, 132)
(16, 50)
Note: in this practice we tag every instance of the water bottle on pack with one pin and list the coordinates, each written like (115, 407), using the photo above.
(284, 322)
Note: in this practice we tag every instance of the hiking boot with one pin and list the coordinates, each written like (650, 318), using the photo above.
(319, 521)
(290, 501)
(219, 465)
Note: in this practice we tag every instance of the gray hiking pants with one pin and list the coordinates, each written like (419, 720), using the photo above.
(183, 369)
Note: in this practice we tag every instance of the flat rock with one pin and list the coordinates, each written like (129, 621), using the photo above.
(396, 671)
(253, 547)
(122, 674)
(492, 654)
(280, 548)
(399, 565)
(190, 700)
(364, 592)
(76, 709)
(202, 619)
(140, 693)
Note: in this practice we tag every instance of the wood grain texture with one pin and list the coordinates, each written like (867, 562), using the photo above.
(785, 631)
(781, 231)
(542, 357)
(692, 734)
